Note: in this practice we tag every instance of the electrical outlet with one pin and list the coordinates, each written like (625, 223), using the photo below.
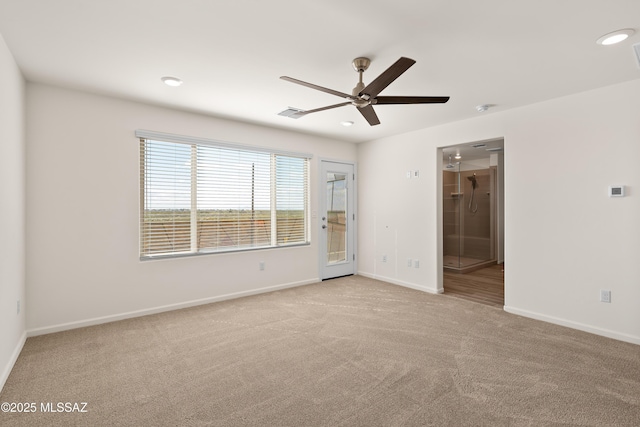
(416, 264)
(384, 258)
(416, 174)
(409, 263)
(261, 265)
(408, 174)
(605, 295)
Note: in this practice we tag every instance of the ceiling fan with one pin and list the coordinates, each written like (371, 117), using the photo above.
(365, 97)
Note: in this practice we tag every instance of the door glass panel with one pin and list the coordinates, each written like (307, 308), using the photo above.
(468, 216)
(452, 206)
(476, 217)
(336, 217)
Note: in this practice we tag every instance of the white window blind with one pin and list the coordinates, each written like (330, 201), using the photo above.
(202, 198)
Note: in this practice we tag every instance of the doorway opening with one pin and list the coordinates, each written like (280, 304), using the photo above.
(473, 221)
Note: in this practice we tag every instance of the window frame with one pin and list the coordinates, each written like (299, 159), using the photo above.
(144, 136)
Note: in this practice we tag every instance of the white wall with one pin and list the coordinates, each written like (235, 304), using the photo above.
(83, 201)
(565, 239)
(12, 210)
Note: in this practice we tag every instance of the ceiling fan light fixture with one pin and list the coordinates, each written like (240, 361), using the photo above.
(481, 108)
(615, 37)
(346, 123)
(171, 81)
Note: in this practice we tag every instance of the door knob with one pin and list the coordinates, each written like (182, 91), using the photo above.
(324, 226)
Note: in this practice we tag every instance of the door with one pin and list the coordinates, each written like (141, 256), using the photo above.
(337, 220)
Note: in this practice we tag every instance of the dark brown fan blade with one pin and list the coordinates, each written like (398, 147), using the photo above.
(370, 115)
(304, 113)
(386, 78)
(316, 87)
(411, 99)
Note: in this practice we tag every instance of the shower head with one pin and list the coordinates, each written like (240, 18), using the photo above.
(474, 182)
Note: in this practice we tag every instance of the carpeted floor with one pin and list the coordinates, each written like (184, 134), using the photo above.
(346, 352)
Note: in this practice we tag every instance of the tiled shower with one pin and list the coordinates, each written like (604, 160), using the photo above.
(469, 217)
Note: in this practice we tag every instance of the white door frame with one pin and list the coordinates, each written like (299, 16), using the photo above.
(350, 267)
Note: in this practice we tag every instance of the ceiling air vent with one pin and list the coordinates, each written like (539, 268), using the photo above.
(291, 112)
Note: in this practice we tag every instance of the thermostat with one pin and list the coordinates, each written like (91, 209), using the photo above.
(616, 191)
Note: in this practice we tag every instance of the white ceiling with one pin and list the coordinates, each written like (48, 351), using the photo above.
(231, 54)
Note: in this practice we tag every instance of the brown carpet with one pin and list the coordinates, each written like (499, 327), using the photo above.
(346, 352)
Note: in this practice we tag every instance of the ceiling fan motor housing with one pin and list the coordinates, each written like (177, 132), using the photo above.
(360, 102)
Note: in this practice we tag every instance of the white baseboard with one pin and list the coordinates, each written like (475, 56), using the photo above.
(401, 283)
(574, 325)
(170, 307)
(12, 361)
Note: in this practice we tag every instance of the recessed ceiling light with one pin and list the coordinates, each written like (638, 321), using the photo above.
(171, 81)
(615, 37)
(347, 123)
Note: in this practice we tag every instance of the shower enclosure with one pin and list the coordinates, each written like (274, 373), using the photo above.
(468, 216)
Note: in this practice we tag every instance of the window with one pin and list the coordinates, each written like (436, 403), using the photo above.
(201, 196)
